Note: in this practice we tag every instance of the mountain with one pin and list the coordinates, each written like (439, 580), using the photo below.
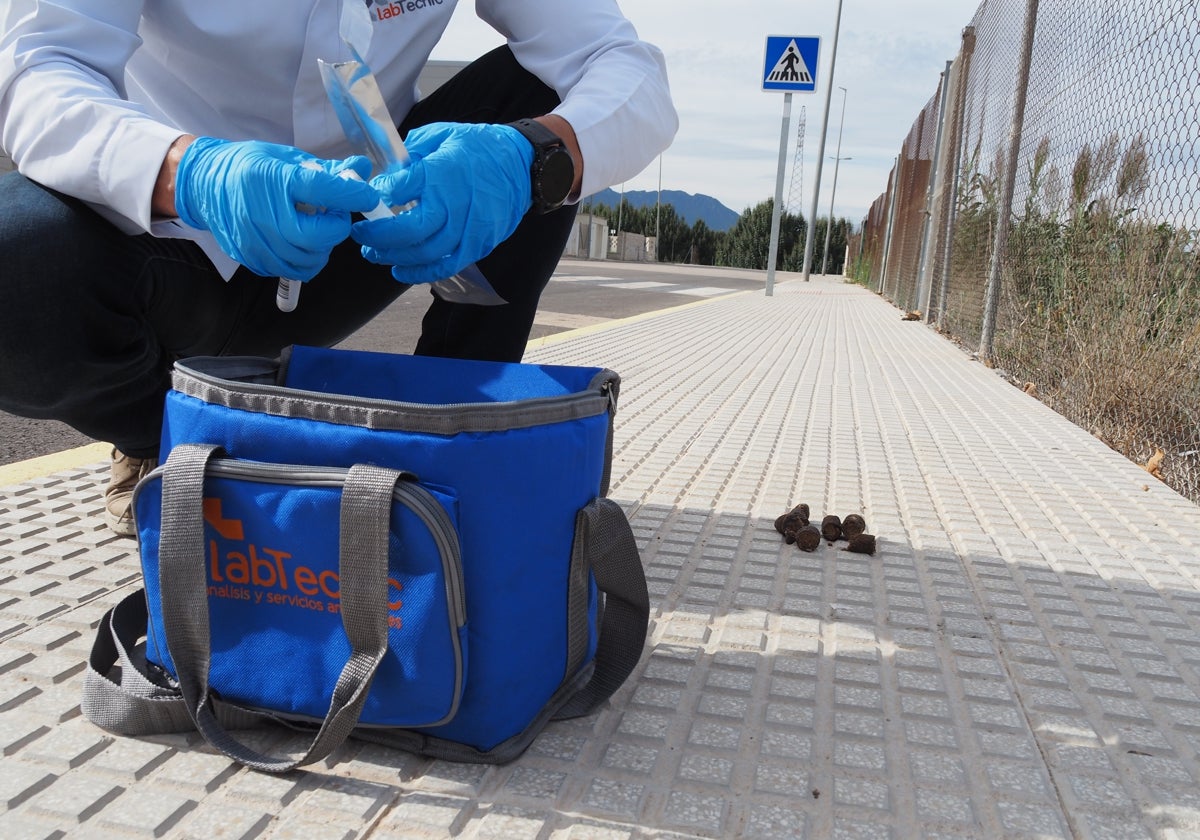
(689, 207)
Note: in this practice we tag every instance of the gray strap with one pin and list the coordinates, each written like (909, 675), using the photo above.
(602, 532)
(137, 705)
(365, 513)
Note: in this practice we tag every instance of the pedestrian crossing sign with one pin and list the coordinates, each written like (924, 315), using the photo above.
(791, 63)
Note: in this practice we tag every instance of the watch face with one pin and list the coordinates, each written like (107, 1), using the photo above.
(557, 176)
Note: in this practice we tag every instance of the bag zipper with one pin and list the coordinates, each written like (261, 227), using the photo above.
(599, 394)
(407, 492)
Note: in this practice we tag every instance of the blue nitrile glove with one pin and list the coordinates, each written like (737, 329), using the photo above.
(247, 192)
(471, 185)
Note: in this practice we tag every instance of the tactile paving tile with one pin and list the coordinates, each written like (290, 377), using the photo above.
(1021, 658)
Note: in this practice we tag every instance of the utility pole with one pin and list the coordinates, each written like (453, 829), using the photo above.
(808, 239)
(833, 192)
(658, 213)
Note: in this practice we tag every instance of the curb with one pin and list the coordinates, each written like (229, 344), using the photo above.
(20, 471)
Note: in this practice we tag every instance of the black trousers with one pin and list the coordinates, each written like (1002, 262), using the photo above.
(91, 319)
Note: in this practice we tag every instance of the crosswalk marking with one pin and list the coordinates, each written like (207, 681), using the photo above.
(610, 282)
(636, 284)
(702, 291)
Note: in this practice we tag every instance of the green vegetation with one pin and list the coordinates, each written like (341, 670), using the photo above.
(860, 271)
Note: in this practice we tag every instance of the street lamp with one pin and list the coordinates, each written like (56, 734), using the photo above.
(833, 192)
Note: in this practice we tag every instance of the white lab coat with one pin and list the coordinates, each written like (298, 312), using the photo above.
(93, 92)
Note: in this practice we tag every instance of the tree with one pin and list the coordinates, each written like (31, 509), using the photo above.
(674, 235)
(747, 243)
(839, 235)
(704, 244)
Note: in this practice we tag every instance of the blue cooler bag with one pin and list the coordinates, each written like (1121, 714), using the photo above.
(409, 550)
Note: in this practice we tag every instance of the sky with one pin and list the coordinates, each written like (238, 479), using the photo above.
(890, 55)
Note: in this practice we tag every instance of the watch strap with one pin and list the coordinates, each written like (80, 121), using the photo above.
(548, 169)
(537, 134)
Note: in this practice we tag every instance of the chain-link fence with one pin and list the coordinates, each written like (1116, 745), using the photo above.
(1045, 208)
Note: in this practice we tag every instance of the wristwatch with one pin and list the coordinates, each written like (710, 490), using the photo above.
(553, 170)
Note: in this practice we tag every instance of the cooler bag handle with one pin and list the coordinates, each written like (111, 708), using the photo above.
(605, 550)
(138, 704)
(605, 545)
(362, 570)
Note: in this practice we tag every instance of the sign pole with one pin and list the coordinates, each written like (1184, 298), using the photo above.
(776, 212)
(791, 63)
(812, 216)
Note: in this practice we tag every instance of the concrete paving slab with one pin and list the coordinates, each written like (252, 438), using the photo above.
(1020, 658)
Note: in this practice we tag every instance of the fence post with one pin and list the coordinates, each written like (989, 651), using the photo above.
(962, 72)
(924, 263)
(887, 231)
(1003, 222)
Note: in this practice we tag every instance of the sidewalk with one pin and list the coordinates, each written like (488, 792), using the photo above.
(1021, 658)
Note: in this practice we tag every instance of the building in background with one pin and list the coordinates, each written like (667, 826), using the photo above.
(588, 239)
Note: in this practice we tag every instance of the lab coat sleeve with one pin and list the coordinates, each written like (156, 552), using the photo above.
(63, 116)
(613, 85)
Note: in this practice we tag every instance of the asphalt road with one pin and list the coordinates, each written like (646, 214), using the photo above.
(580, 294)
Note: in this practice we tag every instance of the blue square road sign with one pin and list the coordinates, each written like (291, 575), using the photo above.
(791, 63)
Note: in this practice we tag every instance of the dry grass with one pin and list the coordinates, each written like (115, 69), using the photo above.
(1103, 316)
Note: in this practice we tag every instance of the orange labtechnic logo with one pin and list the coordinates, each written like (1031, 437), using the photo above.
(243, 570)
(230, 529)
(388, 9)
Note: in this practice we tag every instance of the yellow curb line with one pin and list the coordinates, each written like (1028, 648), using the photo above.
(566, 335)
(93, 453)
(55, 462)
